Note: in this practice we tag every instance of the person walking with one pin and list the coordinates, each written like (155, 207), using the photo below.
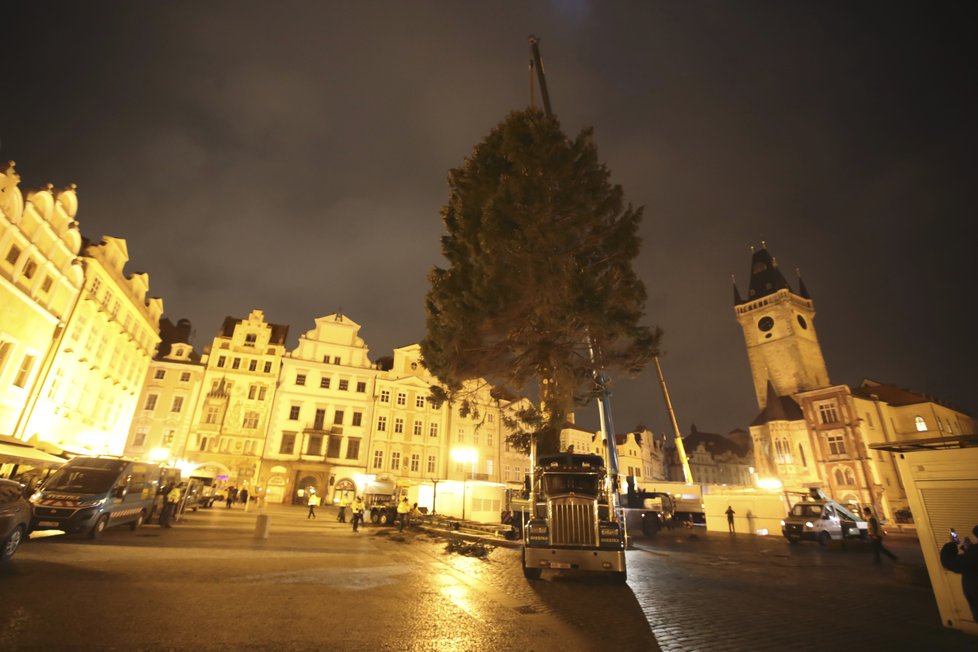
(357, 507)
(403, 509)
(966, 565)
(344, 503)
(876, 535)
(230, 497)
(730, 519)
(244, 496)
(313, 503)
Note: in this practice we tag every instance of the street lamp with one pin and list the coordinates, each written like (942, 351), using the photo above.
(464, 456)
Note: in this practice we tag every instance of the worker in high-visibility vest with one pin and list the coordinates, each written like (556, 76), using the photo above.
(170, 505)
(357, 508)
(403, 509)
(313, 503)
(344, 503)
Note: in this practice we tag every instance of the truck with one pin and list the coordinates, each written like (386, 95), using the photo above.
(573, 523)
(819, 518)
(89, 494)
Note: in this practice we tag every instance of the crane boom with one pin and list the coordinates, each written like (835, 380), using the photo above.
(680, 449)
(541, 76)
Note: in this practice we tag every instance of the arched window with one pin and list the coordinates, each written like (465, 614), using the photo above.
(801, 453)
(921, 424)
(839, 478)
(850, 479)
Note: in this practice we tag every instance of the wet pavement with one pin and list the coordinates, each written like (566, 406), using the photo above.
(210, 584)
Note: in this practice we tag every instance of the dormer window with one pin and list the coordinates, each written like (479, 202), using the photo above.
(921, 424)
(250, 339)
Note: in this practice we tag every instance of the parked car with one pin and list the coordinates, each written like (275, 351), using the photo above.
(15, 518)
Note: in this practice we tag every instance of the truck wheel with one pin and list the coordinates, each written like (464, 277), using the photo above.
(99, 527)
(10, 546)
(530, 573)
(374, 516)
(138, 523)
(650, 524)
(619, 577)
(824, 538)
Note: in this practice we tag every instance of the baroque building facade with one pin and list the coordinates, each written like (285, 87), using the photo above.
(810, 432)
(40, 279)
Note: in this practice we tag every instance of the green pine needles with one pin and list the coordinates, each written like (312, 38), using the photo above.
(540, 246)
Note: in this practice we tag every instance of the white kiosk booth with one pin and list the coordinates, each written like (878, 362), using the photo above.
(941, 479)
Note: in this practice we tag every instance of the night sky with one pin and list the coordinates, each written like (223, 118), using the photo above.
(293, 157)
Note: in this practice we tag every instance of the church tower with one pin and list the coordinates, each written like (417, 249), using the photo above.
(779, 331)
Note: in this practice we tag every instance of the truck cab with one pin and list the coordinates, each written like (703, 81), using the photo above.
(574, 523)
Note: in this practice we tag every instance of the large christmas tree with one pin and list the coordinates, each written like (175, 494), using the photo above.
(540, 246)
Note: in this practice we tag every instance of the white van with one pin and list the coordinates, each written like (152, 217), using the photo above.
(822, 521)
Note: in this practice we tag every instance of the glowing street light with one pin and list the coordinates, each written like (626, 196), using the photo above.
(465, 456)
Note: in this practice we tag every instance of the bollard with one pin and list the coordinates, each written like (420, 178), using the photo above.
(262, 524)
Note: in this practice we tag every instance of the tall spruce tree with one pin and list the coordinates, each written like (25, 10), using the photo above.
(540, 247)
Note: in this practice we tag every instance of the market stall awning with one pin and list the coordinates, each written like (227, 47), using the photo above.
(23, 454)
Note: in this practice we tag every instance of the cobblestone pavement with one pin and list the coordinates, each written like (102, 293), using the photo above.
(312, 584)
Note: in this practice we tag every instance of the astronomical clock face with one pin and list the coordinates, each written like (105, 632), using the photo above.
(765, 324)
(802, 322)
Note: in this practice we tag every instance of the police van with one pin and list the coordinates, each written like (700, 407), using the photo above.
(88, 494)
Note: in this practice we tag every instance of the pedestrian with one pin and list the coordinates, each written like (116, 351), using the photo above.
(313, 503)
(730, 519)
(229, 499)
(966, 565)
(403, 509)
(344, 502)
(170, 505)
(357, 508)
(244, 496)
(876, 536)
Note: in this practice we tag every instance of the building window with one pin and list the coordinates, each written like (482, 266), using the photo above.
(378, 459)
(827, 413)
(177, 404)
(490, 439)
(489, 464)
(150, 402)
(160, 374)
(461, 435)
(401, 398)
(203, 443)
(268, 367)
(29, 268)
(395, 461)
(361, 387)
(252, 365)
(415, 462)
(324, 382)
(431, 464)
(293, 412)
(385, 396)
(333, 447)
(433, 430)
(315, 445)
(319, 419)
(338, 417)
(300, 379)
(20, 380)
(357, 418)
(352, 449)
(261, 393)
(14, 253)
(921, 424)
(419, 401)
(212, 413)
(140, 438)
(801, 454)
(221, 361)
(168, 438)
(344, 385)
(236, 363)
(252, 391)
(381, 424)
(46, 285)
(185, 377)
(398, 425)
(837, 444)
(250, 340)
(418, 426)
(288, 443)
(475, 438)
(336, 359)
(250, 421)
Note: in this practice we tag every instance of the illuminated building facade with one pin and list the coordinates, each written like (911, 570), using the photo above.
(810, 432)
(318, 435)
(233, 411)
(162, 422)
(40, 280)
(88, 393)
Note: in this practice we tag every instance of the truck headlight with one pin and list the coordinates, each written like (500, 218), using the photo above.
(782, 522)
(809, 525)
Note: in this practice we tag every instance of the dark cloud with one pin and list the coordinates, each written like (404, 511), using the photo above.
(292, 157)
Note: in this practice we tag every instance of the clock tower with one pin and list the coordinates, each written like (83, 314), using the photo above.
(779, 331)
